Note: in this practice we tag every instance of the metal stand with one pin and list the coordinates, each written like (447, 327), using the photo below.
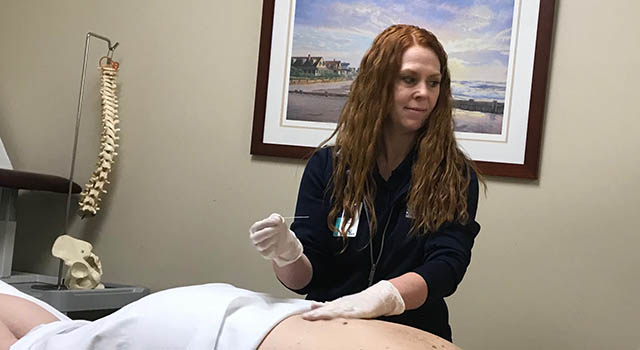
(44, 287)
(75, 137)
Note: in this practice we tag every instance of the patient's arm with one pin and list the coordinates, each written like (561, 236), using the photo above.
(295, 333)
(6, 337)
(19, 316)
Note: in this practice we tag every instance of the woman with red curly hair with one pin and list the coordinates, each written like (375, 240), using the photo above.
(391, 206)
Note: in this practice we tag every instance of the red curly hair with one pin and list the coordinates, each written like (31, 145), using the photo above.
(441, 174)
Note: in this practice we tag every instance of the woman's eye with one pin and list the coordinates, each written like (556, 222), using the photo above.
(434, 83)
(409, 80)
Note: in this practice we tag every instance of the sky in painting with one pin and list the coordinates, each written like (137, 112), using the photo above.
(475, 33)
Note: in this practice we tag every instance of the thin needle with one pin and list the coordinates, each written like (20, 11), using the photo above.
(297, 217)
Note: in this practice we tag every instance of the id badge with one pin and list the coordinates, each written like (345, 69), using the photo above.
(353, 230)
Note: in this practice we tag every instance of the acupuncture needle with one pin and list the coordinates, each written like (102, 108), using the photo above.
(296, 217)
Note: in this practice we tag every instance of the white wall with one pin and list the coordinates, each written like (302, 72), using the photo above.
(555, 265)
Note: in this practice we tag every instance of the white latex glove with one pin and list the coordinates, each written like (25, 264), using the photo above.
(381, 299)
(274, 241)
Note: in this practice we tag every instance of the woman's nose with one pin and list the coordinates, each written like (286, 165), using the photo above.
(421, 90)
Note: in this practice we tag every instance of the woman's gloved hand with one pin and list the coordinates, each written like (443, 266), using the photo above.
(381, 299)
(274, 241)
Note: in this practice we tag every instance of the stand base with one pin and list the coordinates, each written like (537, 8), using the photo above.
(43, 287)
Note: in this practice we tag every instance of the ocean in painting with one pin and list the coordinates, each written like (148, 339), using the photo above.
(322, 102)
(474, 117)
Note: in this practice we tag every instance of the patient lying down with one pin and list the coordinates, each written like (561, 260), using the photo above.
(210, 316)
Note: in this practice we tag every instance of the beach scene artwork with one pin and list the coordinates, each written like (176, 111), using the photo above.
(331, 37)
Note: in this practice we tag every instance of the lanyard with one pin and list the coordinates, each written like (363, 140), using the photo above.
(374, 265)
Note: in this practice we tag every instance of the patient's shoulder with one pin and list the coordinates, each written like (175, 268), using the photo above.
(21, 315)
(296, 333)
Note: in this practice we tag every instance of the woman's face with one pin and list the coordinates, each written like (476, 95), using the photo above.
(416, 90)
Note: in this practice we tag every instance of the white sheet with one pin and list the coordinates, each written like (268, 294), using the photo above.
(210, 316)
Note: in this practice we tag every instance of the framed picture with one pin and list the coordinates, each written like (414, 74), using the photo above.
(498, 57)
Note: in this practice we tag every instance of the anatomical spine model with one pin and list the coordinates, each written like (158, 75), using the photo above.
(89, 203)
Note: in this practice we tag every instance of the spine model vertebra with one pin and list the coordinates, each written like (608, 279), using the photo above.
(90, 197)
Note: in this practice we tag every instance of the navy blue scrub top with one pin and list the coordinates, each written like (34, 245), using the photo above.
(440, 257)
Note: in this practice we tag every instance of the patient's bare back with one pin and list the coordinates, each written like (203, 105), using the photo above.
(295, 333)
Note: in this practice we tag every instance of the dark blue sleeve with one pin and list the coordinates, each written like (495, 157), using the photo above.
(447, 251)
(314, 201)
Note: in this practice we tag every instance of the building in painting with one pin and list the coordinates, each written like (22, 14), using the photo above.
(317, 66)
(308, 65)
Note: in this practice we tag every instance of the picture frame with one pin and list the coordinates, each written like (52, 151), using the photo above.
(515, 153)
